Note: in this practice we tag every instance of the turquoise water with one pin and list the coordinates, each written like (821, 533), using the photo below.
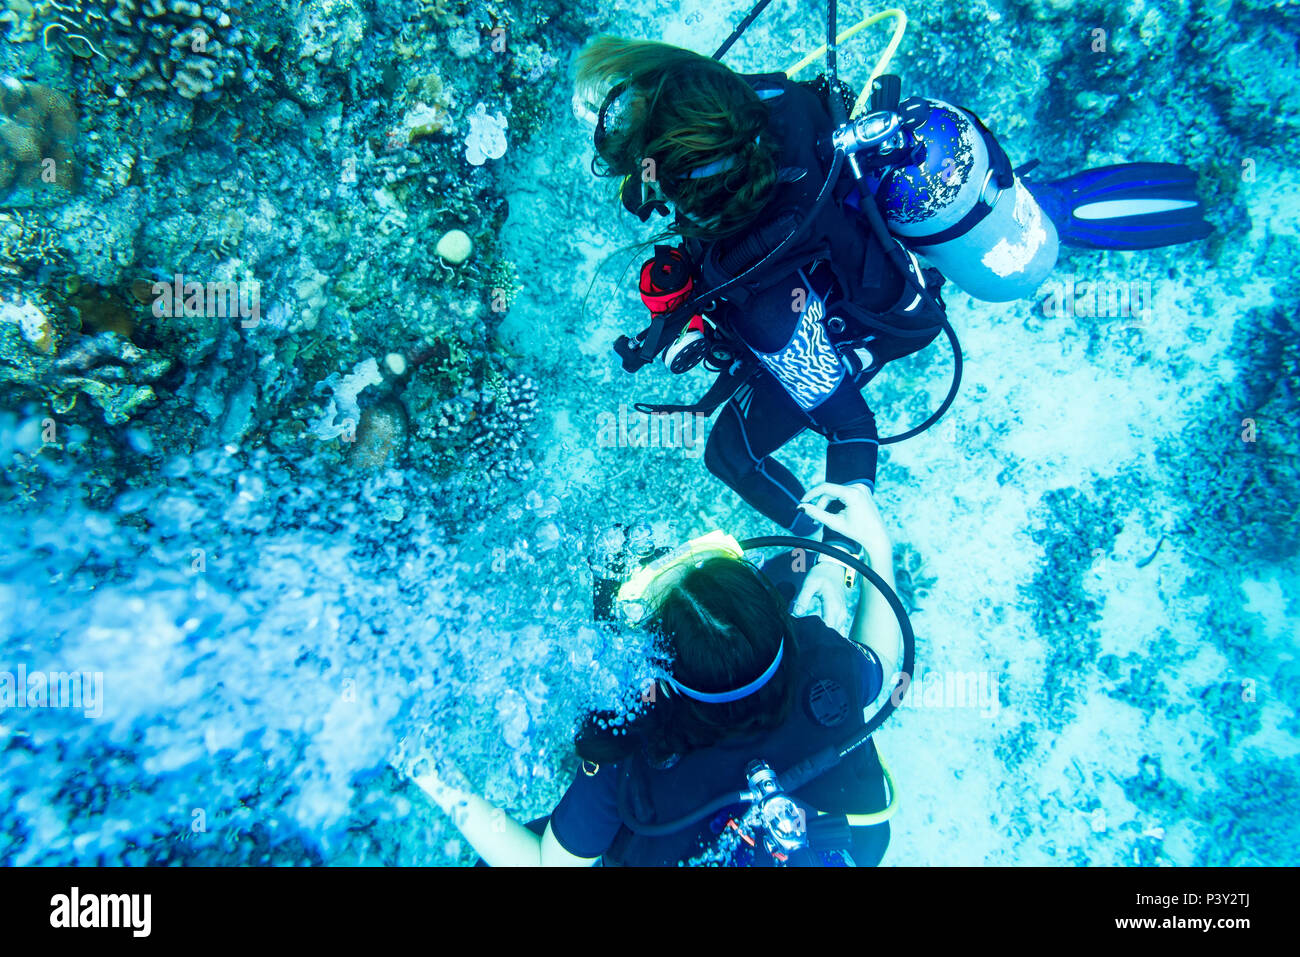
(284, 545)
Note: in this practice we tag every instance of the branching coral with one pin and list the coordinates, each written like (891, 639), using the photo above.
(503, 285)
(472, 420)
(176, 45)
(26, 242)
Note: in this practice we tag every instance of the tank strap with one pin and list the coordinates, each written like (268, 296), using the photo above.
(1001, 174)
(726, 385)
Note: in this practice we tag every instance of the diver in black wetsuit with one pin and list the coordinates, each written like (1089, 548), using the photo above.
(744, 682)
(817, 322)
(800, 288)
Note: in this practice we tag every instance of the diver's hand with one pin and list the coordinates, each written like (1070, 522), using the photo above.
(874, 625)
(860, 519)
(443, 781)
(823, 594)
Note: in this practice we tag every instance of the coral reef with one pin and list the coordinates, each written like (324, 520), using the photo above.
(319, 149)
(326, 40)
(470, 417)
(1073, 527)
(181, 46)
(1240, 480)
(41, 354)
(21, 19)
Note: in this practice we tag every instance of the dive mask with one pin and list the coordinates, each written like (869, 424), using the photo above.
(641, 594)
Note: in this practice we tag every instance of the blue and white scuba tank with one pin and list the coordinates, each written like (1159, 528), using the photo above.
(964, 210)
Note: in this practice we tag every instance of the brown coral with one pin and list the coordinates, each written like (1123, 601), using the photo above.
(381, 436)
(19, 142)
(38, 133)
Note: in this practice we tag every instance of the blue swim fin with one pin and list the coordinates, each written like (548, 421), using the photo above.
(1131, 206)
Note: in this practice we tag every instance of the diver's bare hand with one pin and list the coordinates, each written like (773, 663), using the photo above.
(860, 519)
(824, 595)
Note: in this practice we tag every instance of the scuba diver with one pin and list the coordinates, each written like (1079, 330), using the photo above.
(766, 711)
(803, 228)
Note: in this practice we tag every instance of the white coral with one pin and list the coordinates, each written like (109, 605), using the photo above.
(487, 136)
(34, 325)
(342, 414)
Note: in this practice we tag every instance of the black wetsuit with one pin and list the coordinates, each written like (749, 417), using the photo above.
(803, 329)
(587, 821)
(768, 412)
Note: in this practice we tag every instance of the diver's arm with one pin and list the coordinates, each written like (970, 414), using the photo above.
(499, 839)
(874, 624)
(852, 445)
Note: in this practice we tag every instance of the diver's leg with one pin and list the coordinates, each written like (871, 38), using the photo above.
(758, 420)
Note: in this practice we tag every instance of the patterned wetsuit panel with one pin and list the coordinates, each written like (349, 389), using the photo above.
(808, 367)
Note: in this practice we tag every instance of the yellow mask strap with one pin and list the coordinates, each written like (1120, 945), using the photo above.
(640, 590)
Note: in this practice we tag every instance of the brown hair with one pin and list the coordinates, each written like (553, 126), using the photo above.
(684, 112)
(721, 627)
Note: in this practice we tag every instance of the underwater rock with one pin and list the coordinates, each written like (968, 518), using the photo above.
(98, 310)
(463, 41)
(41, 353)
(101, 236)
(381, 436)
(20, 16)
(287, 115)
(327, 40)
(310, 289)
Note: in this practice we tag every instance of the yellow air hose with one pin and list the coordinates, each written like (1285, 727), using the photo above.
(882, 64)
(881, 816)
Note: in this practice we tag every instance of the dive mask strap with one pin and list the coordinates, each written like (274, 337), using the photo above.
(639, 595)
(640, 590)
(744, 691)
